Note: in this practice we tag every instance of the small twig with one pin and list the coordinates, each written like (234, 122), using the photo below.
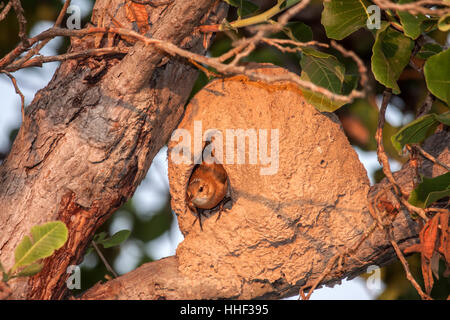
(339, 257)
(5, 11)
(409, 276)
(175, 50)
(361, 66)
(414, 162)
(153, 3)
(39, 60)
(16, 87)
(298, 46)
(442, 210)
(419, 211)
(376, 217)
(245, 47)
(242, 54)
(386, 227)
(383, 159)
(324, 273)
(416, 7)
(426, 106)
(21, 19)
(208, 73)
(39, 46)
(261, 18)
(105, 262)
(430, 157)
(285, 17)
(232, 52)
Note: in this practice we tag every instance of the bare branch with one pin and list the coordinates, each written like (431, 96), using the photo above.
(387, 227)
(5, 11)
(417, 7)
(16, 87)
(153, 3)
(426, 106)
(39, 46)
(383, 159)
(171, 49)
(21, 19)
(430, 157)
(285, 17)
(102, 257)
(39, 60)
(243, 49)
(361, 67)
(322, 276)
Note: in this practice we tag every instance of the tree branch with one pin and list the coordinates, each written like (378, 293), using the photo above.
(417, 7)
(75, 132)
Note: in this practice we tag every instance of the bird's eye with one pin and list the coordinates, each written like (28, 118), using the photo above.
(200, 189)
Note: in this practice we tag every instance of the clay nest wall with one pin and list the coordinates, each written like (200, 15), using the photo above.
(281, 228)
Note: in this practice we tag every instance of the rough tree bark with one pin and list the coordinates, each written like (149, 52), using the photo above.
(87, 142)
(84, 147)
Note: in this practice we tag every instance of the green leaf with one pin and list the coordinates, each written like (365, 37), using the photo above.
(116, 239)
(428, 50)
(444, 23)
(418, 130)
(47, 238)
(430, 190)
(350, 83)
(245, 7)
(30, 270)
(148, 230)
(411, 24)
(351, 77)
(100, 236)
(298, 31)
(4, 273)
(437, 71)
(343, 17)
(444, 118)
(319, 101)
(323, 70)
(233, 3)
(414, 132)
(429, 25)
(89, 250)
(390, 55)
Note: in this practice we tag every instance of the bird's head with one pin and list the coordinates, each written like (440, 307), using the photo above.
(200, 192)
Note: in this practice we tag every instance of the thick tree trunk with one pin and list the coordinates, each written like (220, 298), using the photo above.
(84, 147)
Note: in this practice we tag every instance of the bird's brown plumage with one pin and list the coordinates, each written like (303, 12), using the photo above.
(207, 187)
